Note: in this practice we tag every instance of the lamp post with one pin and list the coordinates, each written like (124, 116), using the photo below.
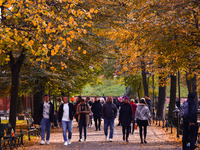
(153, 86)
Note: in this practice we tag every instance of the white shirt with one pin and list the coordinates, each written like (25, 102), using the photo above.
(66, 112)
(46, 109)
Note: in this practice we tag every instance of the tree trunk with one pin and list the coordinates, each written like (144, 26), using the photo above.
(144, 79)
(192, 84)
(162, 97)
(15, 70)
(37, 100)
(172, 102)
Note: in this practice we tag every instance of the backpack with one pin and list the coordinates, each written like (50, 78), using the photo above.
(184, 111)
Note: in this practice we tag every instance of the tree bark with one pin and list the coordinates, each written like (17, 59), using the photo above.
(172, 102)
(162, 97)
(37, 100)
(15, 70)
(144, 79)
(192, 84)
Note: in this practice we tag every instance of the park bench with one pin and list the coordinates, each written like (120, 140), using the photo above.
(33, 129)
(9, 141)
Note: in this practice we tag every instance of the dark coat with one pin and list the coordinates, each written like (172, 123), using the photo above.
(96, 109)
(126, 114)
(109, 111)
(72, 112)
(192, 118)
(51, 114)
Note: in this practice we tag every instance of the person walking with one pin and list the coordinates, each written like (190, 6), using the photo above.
(83, 111)
(190, 126)
(142, 116)
(148, 102)
(134, 106)
(96, 109)
(65, 118)
(126, 117)
(89, 102)
(109, 113)
(47, 117)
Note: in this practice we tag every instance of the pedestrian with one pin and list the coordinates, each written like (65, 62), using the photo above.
(134, 106)
(65, 118)
(126, 117)
(89, 102)
(96, 109)
(109, 113)
(142, 116)
(120, 104)
(83, 111)
(190, 126)
(47, 117)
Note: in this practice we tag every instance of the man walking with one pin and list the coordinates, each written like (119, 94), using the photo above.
(47, 113)
(109, 113)
(190, 126)
(65, 118)
(96, 109)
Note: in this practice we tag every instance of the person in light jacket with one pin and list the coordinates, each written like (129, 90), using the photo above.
(142, 115)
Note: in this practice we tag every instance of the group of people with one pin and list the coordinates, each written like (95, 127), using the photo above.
(129, 112)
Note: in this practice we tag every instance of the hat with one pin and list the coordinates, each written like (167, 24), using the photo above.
(126, 98)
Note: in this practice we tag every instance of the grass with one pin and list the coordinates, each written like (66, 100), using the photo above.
(108, 87)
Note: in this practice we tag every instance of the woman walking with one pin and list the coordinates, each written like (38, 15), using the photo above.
(125, 118)
(142, 115)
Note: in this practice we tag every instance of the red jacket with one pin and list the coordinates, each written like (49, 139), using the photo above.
(134, 106)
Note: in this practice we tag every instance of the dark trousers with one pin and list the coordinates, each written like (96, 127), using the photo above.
(82, 125)
(133, 127)
(126, 130)
(189, 135)
(96, 120)
(145, 132)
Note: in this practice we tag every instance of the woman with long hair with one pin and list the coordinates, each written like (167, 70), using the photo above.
(142, 115)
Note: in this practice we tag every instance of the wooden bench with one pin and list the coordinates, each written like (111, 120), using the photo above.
(9, 141)
(33, 129)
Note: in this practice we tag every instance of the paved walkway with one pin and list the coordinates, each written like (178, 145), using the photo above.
(157, 138)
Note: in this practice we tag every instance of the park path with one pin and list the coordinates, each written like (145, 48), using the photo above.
(157, 139)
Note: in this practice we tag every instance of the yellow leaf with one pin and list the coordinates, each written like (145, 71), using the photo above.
(79, 48)
(91, 10)
(64, 43)
(84, 52)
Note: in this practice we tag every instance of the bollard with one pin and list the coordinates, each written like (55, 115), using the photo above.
(156, 121)
(171, 127)
(163, 123)
(166, 125)
(22, 137)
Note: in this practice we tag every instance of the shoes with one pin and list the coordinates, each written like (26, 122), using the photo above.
(110, 140)
(96, 130)
(85, 139)
(127, 140)
(65, 143)
(42, 142)
(99, 129)
(48, 142)
(80, 140)
(69, 141)
(145, 141)
(106, 138)
(141, 142)
(123, 137)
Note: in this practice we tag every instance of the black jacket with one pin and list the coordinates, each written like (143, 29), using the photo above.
(72, 112)
(96, 109)
(109, 111)
(51, 114)
(192, 118)
(126, 114)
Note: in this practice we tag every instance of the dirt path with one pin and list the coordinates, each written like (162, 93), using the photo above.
(157, 138)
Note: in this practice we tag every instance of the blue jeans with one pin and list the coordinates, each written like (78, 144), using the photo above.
(67, 126)
(109, 122)
(45, 125)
